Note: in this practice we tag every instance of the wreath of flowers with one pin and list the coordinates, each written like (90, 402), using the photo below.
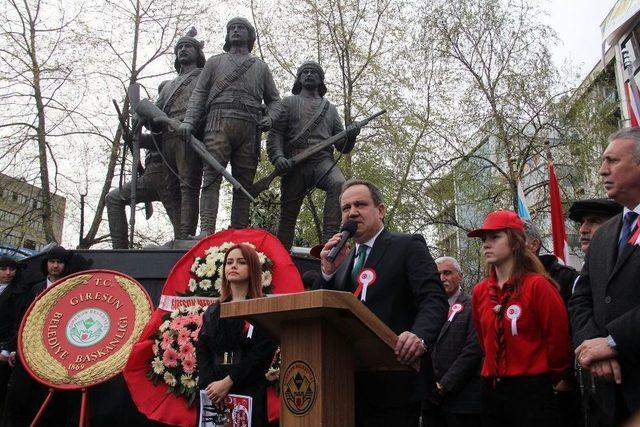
(206, 272)
(174, 348)
(174, 352)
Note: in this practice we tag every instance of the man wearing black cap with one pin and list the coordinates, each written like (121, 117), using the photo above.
(591, 214)
(229, 93)
(183, 168)
(306, 119)
(24, 394)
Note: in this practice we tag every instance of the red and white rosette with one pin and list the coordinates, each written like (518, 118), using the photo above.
(513, 313)
(454, 309)
(365, 279)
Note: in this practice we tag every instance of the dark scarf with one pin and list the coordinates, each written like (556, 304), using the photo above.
(499, 308)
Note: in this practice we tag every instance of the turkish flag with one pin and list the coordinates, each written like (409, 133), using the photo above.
(558, 231)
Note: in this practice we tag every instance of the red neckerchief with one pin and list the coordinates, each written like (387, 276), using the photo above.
(499, 308)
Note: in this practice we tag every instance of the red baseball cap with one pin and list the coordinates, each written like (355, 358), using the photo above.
(499, 220)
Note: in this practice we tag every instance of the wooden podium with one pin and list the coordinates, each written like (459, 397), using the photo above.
(324, 337)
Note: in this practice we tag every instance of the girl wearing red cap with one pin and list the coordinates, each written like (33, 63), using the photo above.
(522, 326)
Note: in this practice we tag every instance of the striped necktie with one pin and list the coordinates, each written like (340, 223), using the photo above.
(627, 230)
(358, 263)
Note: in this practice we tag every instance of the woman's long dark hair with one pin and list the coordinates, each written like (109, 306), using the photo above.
(255, 273)
(525, 261)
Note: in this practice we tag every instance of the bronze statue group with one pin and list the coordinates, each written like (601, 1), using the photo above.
(227, 102)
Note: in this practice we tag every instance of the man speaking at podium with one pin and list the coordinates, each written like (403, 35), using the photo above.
(394, 275)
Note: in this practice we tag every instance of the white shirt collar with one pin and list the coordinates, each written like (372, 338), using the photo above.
(49, 282)
(626, 209)
(371, 241)
(3, 286)
(636, 210)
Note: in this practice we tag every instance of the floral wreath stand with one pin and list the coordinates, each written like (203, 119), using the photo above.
(156, 401)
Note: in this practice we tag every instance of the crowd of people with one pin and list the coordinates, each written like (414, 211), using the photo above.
(537, 343)
(534, 343)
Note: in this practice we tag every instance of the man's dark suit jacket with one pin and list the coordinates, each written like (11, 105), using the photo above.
(457, 359)
(407, 295)
(606, 301)
(7, 314)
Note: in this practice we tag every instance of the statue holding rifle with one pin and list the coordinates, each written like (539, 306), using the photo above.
(229, 95)
(306, 120)
(182, 166)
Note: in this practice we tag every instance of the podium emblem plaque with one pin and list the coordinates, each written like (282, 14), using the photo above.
(299, 388)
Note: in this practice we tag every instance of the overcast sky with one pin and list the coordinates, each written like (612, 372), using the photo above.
(577, 23)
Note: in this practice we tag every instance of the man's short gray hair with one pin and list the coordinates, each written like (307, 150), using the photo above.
(531, 231)
(629, 133)
(453, 261)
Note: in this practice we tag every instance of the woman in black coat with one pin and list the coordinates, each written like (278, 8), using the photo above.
(233, 356)
(9, 276)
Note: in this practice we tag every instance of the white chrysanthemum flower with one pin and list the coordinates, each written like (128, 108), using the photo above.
(218, 284)
(262, 258)
(165, 325)
(157, 365)
(194, 309)
(266, 278)
(156, 348)
(195, 264)
(205, 284)
(169, 379)
(193, 285)
(174, 314)
(187, 381)
(201, 271)
(210, 268)
(226, 245)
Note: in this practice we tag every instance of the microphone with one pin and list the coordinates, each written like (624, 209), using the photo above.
(348, 229)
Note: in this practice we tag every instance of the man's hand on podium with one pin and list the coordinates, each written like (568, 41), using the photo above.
(409, 348)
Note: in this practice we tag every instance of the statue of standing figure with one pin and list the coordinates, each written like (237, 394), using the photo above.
(306, 119)
(183, 166)
(229, 93)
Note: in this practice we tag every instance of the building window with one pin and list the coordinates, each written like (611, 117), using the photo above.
(29, 244)
(14, 196)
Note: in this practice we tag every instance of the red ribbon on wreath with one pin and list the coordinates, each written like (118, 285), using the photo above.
(154, 401)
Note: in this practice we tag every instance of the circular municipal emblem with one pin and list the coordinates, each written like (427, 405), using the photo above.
(80, 331)
(88, 327)
(299, 388)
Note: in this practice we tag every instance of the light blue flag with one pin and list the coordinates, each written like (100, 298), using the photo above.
(523, 211)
